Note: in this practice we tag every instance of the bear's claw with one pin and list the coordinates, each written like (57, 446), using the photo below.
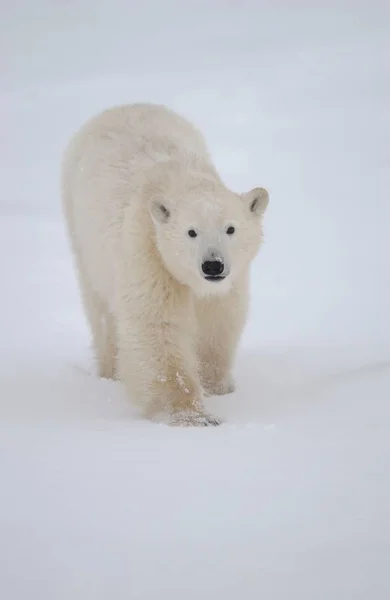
(194, 419)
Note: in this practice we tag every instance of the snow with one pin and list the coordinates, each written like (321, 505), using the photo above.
(290, 498)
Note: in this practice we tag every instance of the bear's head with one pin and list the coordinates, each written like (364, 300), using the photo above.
(206, 235)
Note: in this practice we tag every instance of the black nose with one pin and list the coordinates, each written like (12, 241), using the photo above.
(212, 268)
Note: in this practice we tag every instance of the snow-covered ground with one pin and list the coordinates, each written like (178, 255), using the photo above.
(290, 499)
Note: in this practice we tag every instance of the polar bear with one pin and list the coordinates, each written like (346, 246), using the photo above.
(162, 251)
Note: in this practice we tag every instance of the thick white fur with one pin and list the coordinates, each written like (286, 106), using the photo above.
(136, 179)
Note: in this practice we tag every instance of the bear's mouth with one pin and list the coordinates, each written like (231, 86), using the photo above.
(215, 277)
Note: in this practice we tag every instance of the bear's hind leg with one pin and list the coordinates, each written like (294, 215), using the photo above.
(108, 349)
(103, 330)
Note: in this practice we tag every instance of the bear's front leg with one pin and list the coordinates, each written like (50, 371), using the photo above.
(177, 393)
(157, 354)
(221, 320)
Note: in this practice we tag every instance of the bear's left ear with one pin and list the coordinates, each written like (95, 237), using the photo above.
(159, 210)
(257, 201)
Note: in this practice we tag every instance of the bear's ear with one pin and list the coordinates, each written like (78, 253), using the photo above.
(159, 211)
(257, 201)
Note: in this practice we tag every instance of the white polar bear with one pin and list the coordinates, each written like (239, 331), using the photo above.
(163, 251)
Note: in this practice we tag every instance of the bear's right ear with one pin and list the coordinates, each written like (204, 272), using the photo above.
(257, 201)
(159, 212)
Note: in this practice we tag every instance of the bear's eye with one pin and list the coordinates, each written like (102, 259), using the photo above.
(192, 233)
(230, 230)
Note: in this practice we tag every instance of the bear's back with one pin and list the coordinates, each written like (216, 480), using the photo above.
(132, 137)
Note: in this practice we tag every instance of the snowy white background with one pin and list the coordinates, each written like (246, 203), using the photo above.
(290, 499)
